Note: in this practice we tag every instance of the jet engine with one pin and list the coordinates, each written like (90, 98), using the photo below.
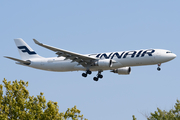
(104, 63)
(122, 71)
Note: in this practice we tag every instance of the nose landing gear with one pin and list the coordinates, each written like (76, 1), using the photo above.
(159, 67)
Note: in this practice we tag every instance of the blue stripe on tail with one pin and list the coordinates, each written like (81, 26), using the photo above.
(25, 49)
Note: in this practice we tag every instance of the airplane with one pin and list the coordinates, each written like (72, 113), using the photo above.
(116, 62)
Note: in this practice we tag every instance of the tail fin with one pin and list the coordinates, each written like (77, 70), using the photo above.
(25, 51)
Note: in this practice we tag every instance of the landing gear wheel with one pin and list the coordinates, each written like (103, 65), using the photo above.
(100, 76)
(84, 75)
(88, 72)
(158, 68)
(95, 79)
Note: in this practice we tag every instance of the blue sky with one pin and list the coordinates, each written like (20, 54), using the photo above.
(94, 27)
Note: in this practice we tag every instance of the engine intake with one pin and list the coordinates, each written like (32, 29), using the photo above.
(122, 71)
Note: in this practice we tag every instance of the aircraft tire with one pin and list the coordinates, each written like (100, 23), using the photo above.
(100, 76)
(95, 79)
(88, 72)
(84, 75)
(158, 68)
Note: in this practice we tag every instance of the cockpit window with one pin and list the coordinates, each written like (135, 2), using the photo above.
(168, 52)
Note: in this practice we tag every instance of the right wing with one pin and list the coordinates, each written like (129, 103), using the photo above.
(20, 61)
(75, 57)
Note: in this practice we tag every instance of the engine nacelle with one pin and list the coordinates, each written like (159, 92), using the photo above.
(122, 71)
(104, 63)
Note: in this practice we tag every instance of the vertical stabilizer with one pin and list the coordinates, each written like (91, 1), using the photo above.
(26, 52)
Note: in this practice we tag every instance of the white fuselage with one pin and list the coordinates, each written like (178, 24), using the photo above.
(122, 59)
(117, 62)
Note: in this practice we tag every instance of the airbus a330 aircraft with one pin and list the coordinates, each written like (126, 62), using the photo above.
(117, 62)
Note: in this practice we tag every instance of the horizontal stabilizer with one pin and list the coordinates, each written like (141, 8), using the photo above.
(18, 60)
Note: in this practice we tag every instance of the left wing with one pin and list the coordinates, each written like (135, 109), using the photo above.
(75, 57)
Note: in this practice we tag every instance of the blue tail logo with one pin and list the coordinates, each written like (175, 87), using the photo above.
(25, 49)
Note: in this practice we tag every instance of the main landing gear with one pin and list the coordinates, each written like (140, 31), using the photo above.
(159, 67)
(87, 72)
(98, 76)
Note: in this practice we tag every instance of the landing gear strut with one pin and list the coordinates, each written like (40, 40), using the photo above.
(159, 67)
(98, 76)
(87, 72)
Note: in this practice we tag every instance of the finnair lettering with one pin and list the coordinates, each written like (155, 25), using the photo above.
(131, 54)
(149, 52)
(107, 57)
(117, 55)
(25, 49)
(139, 53)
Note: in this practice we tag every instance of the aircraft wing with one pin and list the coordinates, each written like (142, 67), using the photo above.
(18, 60)
(75, 57)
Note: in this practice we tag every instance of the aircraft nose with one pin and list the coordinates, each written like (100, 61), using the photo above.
(174, 55)
(166, 56)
